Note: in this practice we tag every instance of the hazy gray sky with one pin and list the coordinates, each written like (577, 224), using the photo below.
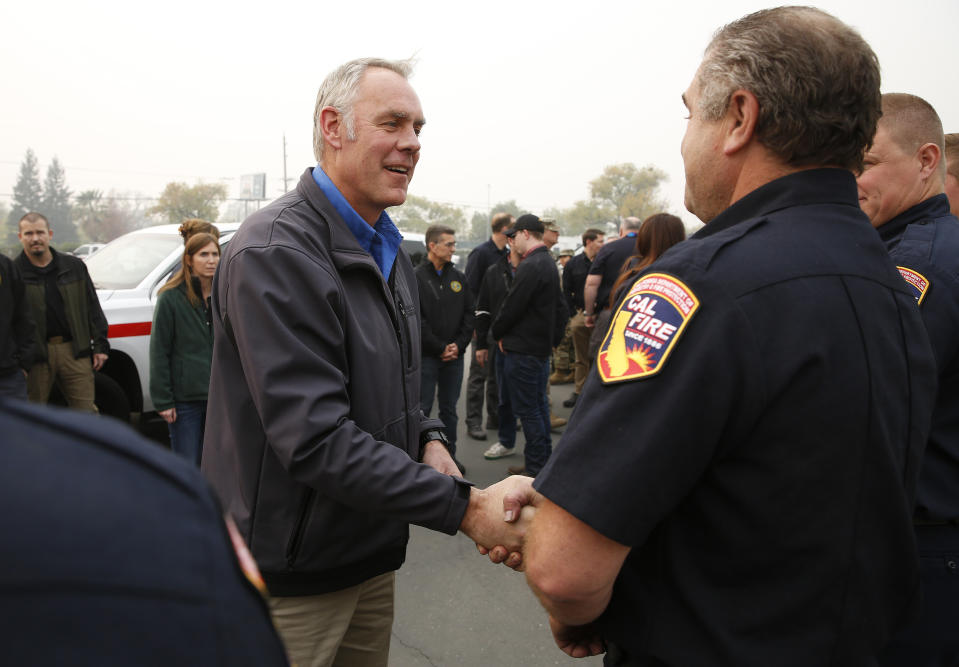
(524, 100)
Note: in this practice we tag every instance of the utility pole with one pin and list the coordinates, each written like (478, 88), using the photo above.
(286, 181)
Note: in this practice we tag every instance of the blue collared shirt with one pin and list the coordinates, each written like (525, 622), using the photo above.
(382, 240)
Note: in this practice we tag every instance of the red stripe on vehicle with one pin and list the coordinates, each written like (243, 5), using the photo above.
(129, 329)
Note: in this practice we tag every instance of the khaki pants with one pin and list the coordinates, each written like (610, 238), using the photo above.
(73, 376)
(348, 628)
(580, 335)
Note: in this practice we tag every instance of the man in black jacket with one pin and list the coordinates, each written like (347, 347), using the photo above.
(529, 324)
(482, 377)
(446, 317)
(496, 284)
(315, 440)
(71, 330)
(16, 332)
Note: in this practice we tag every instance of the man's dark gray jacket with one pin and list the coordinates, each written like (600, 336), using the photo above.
(313, 420)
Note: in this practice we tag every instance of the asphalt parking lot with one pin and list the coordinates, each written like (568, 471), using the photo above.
(454, 607)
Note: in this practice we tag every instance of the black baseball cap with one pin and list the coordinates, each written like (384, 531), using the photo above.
(526, 221)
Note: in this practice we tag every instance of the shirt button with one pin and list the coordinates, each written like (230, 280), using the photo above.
(951, 564)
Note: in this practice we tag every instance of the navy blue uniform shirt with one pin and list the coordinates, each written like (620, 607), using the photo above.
(924, 243)
(752, 429)
(115, 552)
(608, 263)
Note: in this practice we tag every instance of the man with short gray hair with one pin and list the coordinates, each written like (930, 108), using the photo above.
(740, 489)
(315, 440)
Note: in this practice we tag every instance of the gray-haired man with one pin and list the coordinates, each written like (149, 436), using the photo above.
(314, 427)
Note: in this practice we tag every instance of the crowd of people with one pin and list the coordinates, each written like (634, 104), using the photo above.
(762, 462)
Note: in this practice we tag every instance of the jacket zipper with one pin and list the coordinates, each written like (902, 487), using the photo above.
(299, 529)
(405, 334)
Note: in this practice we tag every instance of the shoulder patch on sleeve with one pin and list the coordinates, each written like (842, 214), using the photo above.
(645, 328)
(918, 283)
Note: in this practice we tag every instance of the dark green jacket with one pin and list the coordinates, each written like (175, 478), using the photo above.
(181, 348)
(88, 325)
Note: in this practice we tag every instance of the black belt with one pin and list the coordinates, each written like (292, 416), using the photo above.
(59, 339)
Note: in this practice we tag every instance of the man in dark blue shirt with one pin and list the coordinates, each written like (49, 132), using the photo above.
(901, 190)
(740, 489)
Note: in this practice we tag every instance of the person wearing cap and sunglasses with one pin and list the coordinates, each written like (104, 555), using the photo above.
(530, 323)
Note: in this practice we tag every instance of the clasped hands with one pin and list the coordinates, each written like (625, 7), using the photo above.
(497, 519)
(450, 352)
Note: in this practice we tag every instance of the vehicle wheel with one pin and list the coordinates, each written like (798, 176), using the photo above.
(110, 398)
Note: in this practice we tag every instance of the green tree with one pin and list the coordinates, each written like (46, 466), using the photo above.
(180, 201)
(510, 207)
(89, 214)
(479, 227)
(581, 216)
(629, 190)
(56, 204)
(27, 194)
(118, 218)
(418, 213)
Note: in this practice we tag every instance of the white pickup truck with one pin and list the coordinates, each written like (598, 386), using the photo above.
(127, 274)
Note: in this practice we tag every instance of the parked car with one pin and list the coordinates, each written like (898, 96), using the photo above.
(86, 250)
(127, 273)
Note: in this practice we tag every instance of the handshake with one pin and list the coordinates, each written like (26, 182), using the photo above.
(498, 516)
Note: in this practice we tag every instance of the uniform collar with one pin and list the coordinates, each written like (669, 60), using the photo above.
(936, 206)
(802, 188)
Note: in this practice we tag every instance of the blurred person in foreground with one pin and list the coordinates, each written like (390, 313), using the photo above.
(181, 343)
(70, 327)
(315, 440)
(115, 552)
(740, 489)
(902, 190)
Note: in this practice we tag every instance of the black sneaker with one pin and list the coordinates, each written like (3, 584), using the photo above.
(571, 401)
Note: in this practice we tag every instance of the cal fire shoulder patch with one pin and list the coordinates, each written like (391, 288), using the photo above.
(645, 328)
(918, 283)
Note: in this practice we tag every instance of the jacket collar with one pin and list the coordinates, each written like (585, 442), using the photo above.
(344, 248)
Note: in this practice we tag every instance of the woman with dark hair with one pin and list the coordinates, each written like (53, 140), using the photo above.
(181, 343)
(656, 235)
